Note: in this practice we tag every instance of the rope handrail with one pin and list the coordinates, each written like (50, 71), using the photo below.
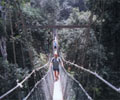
(20, 83)
(95, 74)
(78, 84)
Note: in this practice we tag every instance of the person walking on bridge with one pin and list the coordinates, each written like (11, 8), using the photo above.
(55, 63)
(55, 44)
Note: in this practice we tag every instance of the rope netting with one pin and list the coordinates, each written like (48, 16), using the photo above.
(71, 88)
(43, 89)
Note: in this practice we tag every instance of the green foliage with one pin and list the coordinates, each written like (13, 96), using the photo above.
(31, 12)
(77, 17)
(97, 49)
(8, 73)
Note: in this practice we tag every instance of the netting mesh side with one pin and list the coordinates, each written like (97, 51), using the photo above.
(71, 89)
(43, 90)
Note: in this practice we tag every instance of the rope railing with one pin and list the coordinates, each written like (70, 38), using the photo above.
(20, 83)
(95, 74)
(80, 85)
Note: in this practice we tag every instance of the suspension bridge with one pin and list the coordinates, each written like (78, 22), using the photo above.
(46, 88)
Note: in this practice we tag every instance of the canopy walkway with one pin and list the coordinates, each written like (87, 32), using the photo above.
(45, 88)
(66, 88)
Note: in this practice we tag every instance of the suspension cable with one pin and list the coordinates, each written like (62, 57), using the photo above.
(95, 74)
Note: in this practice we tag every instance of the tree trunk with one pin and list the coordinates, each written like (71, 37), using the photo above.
(3, 48)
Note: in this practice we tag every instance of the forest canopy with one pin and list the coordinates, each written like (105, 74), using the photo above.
(24, 42)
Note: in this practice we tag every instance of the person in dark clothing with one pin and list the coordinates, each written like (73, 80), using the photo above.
(55, 62)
